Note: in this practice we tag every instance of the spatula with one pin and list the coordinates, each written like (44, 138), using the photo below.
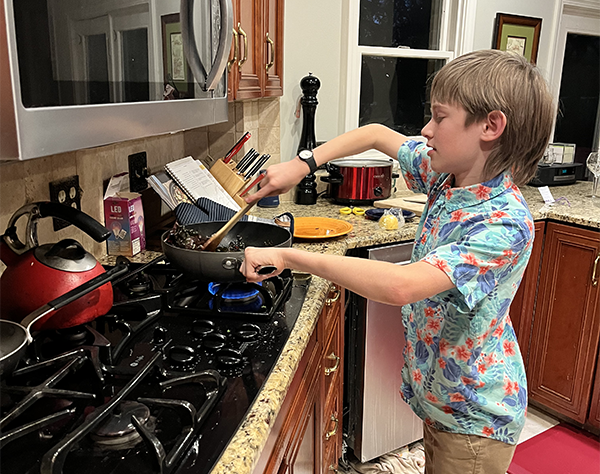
(213, 242)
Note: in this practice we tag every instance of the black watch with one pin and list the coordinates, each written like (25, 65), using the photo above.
(308, 158)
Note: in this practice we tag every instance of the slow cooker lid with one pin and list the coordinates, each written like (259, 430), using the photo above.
(362, 162)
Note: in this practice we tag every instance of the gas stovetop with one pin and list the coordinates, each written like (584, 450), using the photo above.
(159, 384)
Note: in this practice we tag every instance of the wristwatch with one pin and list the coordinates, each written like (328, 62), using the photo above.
(308, 158)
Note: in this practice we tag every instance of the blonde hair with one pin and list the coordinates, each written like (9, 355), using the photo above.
(488, 80)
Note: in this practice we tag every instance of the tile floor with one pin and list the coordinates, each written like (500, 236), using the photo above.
(536, 423)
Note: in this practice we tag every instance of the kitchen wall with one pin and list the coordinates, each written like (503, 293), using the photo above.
(314, 41)
(27, 181)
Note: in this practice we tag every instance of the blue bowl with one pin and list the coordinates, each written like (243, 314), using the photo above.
(375, 214)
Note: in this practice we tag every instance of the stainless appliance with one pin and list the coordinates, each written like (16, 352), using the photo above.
(158, 384)
(376, 419)
(83, 73)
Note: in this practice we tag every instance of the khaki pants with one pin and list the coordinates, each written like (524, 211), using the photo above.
(453, 453)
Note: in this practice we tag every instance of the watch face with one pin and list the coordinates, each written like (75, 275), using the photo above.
(305, 154)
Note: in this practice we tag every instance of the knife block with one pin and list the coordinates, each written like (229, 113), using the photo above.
(232, 182)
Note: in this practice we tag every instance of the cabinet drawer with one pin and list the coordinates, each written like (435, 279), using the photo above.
(331, 365)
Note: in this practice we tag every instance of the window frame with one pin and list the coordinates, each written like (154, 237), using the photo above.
(456, 38)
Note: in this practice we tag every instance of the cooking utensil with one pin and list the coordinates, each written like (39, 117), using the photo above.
(242, 169)
(237, 147)
(15, 337)
(36, 274)
(213, 242)
(359, 181)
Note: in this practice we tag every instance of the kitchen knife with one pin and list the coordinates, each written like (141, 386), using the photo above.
(246, 157)
(248, 164)
(237, 147)
(258, 165)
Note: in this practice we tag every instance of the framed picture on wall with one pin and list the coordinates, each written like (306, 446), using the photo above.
(177, 73)
(520, 34)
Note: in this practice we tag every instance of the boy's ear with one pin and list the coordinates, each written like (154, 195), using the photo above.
(493, 125)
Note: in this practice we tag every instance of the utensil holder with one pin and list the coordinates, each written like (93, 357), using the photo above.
(232, 182)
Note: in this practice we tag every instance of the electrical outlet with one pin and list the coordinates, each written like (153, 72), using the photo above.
(138, 172)
(65, 191)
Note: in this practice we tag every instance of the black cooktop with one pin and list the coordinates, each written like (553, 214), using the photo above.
(159, 384)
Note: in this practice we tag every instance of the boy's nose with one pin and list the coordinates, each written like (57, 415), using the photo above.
(426, 130)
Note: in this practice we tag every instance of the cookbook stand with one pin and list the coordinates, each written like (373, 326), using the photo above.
(232, 182)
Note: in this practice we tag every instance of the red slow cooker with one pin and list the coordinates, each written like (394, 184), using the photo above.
(359, 180)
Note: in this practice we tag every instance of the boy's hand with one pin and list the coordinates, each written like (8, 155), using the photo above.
(255, 258)
(280, 179)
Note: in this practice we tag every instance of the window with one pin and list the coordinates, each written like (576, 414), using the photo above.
(394, 46)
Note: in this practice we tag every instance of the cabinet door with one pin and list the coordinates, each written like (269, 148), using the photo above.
(594, 416)
(272, 47)
(566, 327)
(521, 309)
(244, 75)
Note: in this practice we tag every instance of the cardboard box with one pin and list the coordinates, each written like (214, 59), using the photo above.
(124, 217)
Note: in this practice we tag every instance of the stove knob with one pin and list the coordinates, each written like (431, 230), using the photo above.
(378, 191)
(160, 335)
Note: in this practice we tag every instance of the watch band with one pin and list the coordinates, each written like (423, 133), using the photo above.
(310, 161)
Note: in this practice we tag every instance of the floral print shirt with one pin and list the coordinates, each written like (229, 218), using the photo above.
(463, 370)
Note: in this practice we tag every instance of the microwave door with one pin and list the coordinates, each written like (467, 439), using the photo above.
(208, 81)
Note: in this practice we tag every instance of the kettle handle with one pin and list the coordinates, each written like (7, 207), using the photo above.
(39, 210)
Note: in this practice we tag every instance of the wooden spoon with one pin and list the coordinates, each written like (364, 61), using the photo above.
(213, 242)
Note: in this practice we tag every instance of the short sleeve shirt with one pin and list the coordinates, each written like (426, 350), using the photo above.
(463, 370)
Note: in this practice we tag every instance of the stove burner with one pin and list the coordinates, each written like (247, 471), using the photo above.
(182, 356)
(248, 332)
(214, 342)
(139, 286)
(75, 336)
(118, 429)
(234, 293)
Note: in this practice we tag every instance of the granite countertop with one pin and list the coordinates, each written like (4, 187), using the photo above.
(245, 448)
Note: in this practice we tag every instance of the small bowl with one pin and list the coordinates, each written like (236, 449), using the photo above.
(375, 214)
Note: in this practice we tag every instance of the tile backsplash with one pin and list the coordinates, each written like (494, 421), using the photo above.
(27, 181)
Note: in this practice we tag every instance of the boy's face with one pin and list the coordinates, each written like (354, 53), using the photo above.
(455, 149)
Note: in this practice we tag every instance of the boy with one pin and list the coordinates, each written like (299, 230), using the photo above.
(492, 116)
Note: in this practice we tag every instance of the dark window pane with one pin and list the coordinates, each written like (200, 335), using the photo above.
(135, 65)
(394, 92)
(393, 23)
(578, 98)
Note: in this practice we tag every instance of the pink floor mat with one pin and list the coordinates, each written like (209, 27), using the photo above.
(560, 450)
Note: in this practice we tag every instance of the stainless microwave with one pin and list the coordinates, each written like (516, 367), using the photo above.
(82, 73)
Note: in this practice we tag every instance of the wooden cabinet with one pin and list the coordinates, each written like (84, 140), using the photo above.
(255, 64)
(563, 351)
(523, 305)
(307, 434)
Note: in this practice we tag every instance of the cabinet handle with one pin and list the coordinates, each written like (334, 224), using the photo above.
(337, 293)
(331, 370)
(235, 50)
(594, 277)
(333, 469)
(333, 432)
(272, 43)
(243, 33)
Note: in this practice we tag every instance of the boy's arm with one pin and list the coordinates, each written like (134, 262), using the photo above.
(282, 177)
(378, 281)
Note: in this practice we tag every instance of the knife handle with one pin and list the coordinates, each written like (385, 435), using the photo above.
(237, 147)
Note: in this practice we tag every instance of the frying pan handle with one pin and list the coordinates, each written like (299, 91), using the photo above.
(230, 263)
(71, 296)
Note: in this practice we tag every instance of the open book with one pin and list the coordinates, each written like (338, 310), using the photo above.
(196, 181)
(168, 190)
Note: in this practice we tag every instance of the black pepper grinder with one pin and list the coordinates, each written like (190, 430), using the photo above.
(306, 191)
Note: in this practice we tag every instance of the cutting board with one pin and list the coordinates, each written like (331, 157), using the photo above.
(402, 204)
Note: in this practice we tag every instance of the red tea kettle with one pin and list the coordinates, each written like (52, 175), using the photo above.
(37, 274)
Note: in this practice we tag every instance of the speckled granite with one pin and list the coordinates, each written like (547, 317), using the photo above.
(245, 448)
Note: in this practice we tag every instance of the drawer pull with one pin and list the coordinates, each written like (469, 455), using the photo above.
(336, 296)
(269, 65)
(331, 370)
(594, 277)
(333, 432)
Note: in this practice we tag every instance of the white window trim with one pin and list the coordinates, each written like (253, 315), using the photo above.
(461, 14)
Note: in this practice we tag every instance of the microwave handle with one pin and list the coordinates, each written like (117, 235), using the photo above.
(207, 81)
